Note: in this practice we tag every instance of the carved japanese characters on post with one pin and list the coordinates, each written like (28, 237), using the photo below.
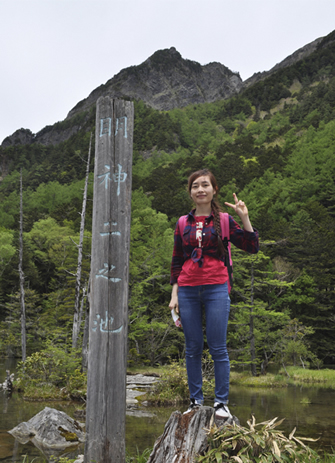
(106, 390)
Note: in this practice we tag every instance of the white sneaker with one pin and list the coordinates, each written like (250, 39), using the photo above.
(221, 411)
(193, 406)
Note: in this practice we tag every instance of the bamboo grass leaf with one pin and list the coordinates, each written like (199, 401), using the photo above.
(276, 448)
(238, 459)
(310, 439)
(299, 441)
(271, 423)
(279, 423)
(292, 433)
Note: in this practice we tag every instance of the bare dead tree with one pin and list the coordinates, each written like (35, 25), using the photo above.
(251, 324)
(76, 315)
(84, 351)
(22, 298)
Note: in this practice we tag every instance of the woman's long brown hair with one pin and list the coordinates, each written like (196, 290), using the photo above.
(215, 205)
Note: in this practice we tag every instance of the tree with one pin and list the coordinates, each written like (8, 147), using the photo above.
(7, 250)
(294, 347)
(256, 322)
(10, 327)
(152, 334)
(55, 258)
(77, 313)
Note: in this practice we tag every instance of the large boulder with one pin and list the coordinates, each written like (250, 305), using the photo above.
(52, 431)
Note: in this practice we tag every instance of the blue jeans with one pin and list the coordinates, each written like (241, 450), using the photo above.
(216, 302)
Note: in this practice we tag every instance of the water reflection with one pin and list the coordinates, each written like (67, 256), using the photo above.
(310, 409)
(15, 410)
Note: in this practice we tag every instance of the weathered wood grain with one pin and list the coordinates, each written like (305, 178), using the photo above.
(185, 436)
(106, 390)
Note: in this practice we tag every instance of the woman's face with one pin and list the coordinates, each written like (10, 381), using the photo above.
(202, 191)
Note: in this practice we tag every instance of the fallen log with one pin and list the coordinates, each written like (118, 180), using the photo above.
(184, 436)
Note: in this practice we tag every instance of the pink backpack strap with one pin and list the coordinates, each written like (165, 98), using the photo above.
(224, 222)
(181, 224)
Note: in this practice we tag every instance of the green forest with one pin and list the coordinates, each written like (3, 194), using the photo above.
(273, 145)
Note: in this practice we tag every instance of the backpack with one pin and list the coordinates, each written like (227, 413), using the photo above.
(224, 222)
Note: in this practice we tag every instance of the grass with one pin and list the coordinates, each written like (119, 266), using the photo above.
(269, 380)
(301, 377)
(45, 392)
(145, 370)
(173, 389)
(296, 376)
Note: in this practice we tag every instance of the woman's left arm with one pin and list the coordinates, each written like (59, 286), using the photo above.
(246, 238)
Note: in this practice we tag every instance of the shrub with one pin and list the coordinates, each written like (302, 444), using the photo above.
(172, 387)
(265, 445)
(44, 373)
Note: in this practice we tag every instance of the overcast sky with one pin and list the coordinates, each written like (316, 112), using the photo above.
(53, 53)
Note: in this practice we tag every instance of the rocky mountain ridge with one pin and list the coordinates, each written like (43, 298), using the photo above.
(298, 55)
(164, 81)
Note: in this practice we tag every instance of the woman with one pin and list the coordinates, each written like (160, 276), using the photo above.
(199, 280)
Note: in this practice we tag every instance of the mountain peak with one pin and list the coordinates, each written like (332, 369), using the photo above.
(163, 59)
(166, 80)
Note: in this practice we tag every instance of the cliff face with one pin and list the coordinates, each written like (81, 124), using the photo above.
(166, 81)
(19, 137)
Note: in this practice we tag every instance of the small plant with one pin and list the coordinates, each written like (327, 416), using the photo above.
(207, 365)
(62, 459)
(266, 445)
(305, 401)
(139, 457)
(172, 387)
(25, 459)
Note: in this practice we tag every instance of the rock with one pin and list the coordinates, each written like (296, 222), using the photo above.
(184, 436)
(50, 430)
(166, 81)
(80, 459)
(23, 432)
(138, 413)
(19, 137)
(134, 385)
(141, 380)
(132, 396)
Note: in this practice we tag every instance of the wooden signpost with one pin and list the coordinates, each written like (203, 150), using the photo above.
(107, 358)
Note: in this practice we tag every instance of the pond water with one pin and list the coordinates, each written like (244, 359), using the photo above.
(311, 410)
